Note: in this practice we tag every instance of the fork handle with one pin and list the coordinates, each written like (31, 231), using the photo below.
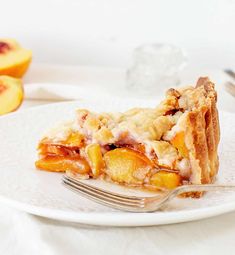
(203, 187)
(230, 73)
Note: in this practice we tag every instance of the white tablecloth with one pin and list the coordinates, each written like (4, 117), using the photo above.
(22, 233)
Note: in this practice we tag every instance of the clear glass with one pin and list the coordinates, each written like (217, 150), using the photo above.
(155, 68)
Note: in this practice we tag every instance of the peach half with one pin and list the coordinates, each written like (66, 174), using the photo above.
(14, 60)
(11, 94)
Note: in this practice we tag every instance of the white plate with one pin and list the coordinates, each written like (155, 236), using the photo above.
(41, 193)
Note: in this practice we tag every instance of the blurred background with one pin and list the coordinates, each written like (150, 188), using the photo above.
(104, 32)
(90, 44)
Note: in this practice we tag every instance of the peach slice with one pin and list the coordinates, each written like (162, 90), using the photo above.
(11, 94)
(178, 142)
(127, 166)
(96, 159)
(164, 179)
(74, 140)
(51, 149)
(62, 164)
(14, 60)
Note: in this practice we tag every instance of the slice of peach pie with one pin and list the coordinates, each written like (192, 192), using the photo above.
(154, 148)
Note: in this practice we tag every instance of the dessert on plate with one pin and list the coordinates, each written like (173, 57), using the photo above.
(152, 148)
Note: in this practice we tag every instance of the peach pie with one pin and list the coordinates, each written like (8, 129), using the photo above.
(152, 148)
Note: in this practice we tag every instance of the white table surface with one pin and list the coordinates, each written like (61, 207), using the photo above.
(22, 233)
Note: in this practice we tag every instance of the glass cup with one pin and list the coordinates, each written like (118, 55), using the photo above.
(155, 68)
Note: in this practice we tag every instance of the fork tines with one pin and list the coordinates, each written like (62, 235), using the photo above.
(115, 200)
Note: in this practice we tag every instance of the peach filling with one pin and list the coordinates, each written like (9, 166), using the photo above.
(178, 143)
(165, 179)
(75, 140)
(96, 159)
(121, 165)
(125, 165)
(63, 164)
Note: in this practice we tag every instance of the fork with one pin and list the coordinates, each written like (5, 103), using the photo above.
(134, 203)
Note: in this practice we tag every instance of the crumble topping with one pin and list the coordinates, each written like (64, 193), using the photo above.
(60, 132)
(146, 126)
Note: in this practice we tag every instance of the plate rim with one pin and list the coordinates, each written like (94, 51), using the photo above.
(121, 219)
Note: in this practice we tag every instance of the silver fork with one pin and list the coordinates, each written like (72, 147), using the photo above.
(134, 203)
